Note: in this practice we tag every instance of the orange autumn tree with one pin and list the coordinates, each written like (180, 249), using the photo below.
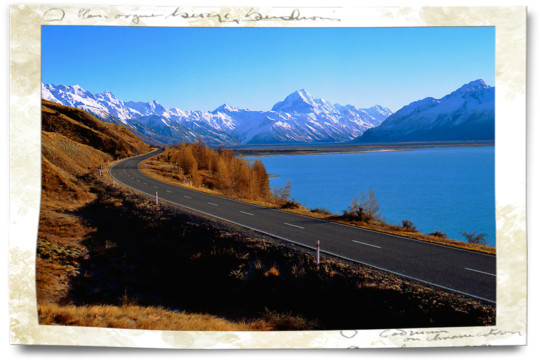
(220, 170)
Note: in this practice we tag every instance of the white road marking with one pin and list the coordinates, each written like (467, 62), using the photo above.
(212, 203)
(155, 187)
(481, 272)
(145, 183)
(243, 212)
(189, 197)
(169, 191)
(359, 242)
(296, 226)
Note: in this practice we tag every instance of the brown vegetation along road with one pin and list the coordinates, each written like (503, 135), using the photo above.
(466, 272)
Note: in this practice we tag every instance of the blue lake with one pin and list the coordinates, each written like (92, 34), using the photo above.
(449, 189)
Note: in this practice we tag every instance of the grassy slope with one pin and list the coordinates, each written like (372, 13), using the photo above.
(74, 145)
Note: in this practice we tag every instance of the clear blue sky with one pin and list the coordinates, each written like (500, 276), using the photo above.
(202, 68)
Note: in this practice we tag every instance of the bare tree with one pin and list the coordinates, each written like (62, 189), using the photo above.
(366, 209)
(371, 206)
(283, 193)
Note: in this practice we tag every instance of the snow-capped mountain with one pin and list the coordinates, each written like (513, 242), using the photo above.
(299, 118)
(466, 114)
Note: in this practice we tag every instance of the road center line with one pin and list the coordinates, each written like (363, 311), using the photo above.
(243, 212)
(189, 197)
(481, 272)
(145, 183)
(212, 203)
(169, 191)
(359, 242)
(296, 226)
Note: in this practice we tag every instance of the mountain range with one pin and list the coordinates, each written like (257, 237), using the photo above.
(465, 114)
(299, 118)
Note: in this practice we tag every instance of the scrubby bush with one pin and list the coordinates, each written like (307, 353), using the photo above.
(290, 204)
(439, 234)
(408, 225)
(474, 238)
(322, 211)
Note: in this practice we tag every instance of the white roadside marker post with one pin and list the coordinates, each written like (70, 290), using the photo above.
(156, 198)
(318, 252)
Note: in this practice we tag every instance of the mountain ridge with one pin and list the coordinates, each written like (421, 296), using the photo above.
(300, 119)
(465, 114)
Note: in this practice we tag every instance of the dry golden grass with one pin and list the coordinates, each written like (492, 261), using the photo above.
(273, 271)
(82, 128)
(397, 230)
(74, 144)
(139, 317)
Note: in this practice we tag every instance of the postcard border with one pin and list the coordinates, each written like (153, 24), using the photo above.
(25, 172)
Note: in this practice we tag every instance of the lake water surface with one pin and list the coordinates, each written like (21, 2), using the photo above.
(448, 189)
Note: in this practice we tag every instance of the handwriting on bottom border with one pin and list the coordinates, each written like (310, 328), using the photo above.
(433, 335)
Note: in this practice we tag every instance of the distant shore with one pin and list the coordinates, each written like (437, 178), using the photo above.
(320, 149)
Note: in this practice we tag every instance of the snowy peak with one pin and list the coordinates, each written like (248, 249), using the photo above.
(107, 95)
(225, 108)
(147, 108)
(473, 86)
(300, 96)
(299, 101)
(303, 96)
(475, 90)
(157, 108)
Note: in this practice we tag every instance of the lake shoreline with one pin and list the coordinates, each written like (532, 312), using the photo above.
(327, 149)
(423, 184)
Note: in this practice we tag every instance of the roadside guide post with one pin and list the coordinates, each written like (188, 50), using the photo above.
(318, 252)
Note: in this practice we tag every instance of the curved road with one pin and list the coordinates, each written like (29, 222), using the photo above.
(463, 271)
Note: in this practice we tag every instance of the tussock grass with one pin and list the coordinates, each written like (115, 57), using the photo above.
(138, 317)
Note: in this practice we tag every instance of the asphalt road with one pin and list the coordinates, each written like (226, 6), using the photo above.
(463, 271)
